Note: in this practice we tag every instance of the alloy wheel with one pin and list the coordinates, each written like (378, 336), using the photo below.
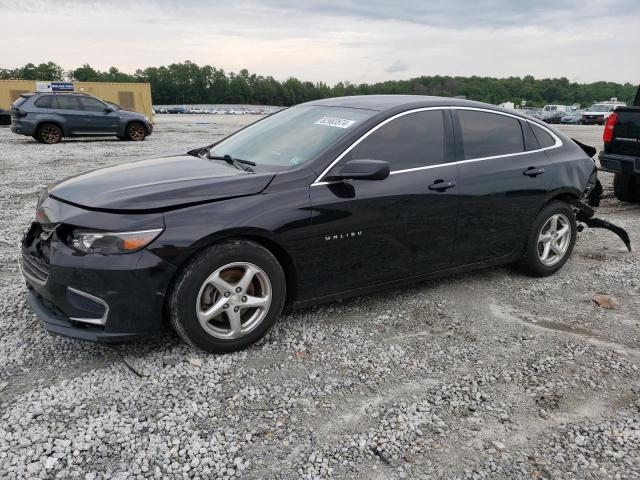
(233, 300)
(554, 239)
(50, 134)
(136, 132)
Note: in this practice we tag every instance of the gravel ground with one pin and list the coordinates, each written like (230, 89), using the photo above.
(485, 375)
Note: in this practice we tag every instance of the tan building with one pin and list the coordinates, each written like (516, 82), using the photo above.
(130, 96)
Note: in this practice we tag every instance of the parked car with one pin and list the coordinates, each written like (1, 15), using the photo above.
(5, 117)
(324, 200)
(573, 117)
(532, 112)
(554, 113)
(621, 154)
(48, 117)
(598, 113)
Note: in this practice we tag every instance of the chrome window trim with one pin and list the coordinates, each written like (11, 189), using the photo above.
(94, 321)
(558, 142)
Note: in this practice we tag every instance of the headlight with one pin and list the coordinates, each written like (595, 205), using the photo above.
(111, 242)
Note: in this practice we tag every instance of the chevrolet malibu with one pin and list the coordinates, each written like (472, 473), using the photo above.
(324, 200)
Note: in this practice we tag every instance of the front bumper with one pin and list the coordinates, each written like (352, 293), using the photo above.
(90, 296)
(95, 297)
(55, 321)
(614, 163)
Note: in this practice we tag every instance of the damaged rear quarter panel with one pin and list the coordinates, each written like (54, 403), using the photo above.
(571, 169)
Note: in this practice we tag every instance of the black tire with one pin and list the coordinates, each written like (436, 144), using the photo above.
(48, 133)
(184, 295)
(626, 187)
(532, 264)
(136, 132)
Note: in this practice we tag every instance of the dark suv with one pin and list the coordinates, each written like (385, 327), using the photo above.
(48, 117)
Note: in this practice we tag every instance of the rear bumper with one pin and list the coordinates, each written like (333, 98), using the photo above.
(592, 120)
(614, 163)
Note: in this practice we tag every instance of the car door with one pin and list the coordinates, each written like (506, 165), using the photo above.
(101, 118)
(369, 232)
(68, 107)
(503, 183)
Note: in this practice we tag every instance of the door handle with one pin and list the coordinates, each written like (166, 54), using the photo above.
(533, 171)
(441, 185)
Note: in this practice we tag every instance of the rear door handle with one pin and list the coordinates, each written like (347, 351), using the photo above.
(441, 185)
(533, 171)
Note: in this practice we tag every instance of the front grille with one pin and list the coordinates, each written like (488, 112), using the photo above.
(33, 268)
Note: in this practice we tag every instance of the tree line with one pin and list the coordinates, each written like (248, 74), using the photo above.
(189, 83)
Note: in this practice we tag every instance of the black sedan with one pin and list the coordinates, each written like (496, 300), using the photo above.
(323, 200)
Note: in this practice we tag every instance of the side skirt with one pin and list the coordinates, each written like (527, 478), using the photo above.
(504, 260)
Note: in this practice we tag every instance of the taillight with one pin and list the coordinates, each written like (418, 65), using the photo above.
(19, 113)
(607, 136)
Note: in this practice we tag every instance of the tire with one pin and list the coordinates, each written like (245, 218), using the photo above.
(136, 132)
(48, 133)
(535, 262)
(209, 283)
(626, 187)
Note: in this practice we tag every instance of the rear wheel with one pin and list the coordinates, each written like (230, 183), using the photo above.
(227, 297)
(48, 133)
(551, 240)
(626, 187)
(136, 132)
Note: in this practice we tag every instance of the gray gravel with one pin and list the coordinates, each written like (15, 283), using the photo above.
(486, 375)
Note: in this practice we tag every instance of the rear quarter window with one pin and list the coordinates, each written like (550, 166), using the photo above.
(44, 102)
(19, 101)
(487, 134)
(544, 139)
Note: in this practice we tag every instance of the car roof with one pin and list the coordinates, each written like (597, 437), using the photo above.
(395, 103)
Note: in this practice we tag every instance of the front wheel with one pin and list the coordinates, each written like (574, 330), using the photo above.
(227, 297)
(136, 132)
(551, 240)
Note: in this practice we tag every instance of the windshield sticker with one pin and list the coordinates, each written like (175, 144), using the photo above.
(335, 122)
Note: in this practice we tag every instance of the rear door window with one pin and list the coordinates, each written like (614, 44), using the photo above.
(487, 134)
(410, 141)
(68, 102)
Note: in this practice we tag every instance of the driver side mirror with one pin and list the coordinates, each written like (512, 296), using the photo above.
(362, 170)
(108, 110)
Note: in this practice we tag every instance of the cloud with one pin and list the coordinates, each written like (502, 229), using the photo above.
(397, 66)
(333, 40)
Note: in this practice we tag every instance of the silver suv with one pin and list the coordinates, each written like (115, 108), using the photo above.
(48, 117)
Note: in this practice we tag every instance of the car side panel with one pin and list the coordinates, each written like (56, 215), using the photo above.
(280, 218)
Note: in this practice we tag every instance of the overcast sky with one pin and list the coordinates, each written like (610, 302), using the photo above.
(333, 40)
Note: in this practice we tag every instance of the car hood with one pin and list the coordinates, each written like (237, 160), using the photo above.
(158, 184)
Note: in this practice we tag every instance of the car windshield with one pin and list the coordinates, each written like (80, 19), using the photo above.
(599, 108)
(291, 137)
(115, 105)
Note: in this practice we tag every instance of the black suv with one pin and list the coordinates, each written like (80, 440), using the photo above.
(48, 117)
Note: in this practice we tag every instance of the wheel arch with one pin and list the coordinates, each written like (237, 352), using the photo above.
(51, 122)
(263, 238)
(134, 120)
(566, 195)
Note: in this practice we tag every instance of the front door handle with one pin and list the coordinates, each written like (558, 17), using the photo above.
(533, 171)
(441, 185)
